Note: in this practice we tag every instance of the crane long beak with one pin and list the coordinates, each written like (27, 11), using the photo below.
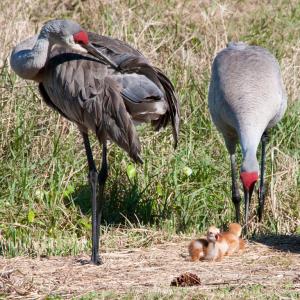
(247, 201)
(247, 196)
(98, 54)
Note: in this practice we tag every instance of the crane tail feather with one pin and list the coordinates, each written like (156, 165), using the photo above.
(173, 114)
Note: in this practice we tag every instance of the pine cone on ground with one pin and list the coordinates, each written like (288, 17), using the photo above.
(186, 279)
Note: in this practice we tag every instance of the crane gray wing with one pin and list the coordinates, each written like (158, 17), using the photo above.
(83, 92)
(115, 49)
(157, 88)
(112, 118)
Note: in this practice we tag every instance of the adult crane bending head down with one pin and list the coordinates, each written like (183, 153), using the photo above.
(246, 98)
(101, 84)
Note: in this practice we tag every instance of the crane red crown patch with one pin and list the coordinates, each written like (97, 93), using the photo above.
(249, 179)
(81, 37)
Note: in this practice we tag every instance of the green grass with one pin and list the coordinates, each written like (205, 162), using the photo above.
(255, 291)
(44, 195)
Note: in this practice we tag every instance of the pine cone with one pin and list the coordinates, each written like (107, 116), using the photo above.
(186, 279)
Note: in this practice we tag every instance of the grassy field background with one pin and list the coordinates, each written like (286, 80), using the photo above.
(44, 195)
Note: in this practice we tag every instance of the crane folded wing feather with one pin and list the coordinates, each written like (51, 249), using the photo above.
(130, 60)
(108, 112)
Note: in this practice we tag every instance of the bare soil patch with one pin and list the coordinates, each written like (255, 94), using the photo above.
(148, 269)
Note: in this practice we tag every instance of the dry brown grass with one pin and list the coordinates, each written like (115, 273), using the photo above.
(142, 270)
(181, 37)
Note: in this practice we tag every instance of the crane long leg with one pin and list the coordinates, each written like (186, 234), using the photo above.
(264, 140)
(93, 178)
(102, 176)
(236, 198)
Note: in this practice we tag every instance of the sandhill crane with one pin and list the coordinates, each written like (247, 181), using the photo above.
(246, 98)
(101, 84)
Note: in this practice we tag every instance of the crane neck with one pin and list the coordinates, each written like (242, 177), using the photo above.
(30, 56)
(250, 163)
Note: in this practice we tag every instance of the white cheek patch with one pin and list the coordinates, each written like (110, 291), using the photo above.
(74, 46)
(78, 48)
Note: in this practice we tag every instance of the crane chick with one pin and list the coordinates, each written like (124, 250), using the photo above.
(225, 243)
(197, 249)
(215, 245)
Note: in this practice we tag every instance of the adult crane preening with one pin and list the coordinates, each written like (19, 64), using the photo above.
(101, 84)
(246, 98)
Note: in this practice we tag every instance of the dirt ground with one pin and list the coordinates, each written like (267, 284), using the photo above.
(271, 262)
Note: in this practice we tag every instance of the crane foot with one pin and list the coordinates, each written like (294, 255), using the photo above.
(96, 262)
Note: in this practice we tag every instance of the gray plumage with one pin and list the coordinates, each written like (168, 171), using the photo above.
(93, 94)
(246, 98)
(101, 84)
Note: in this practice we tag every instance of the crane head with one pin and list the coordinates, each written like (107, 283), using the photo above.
(69, 34)
(65, 33)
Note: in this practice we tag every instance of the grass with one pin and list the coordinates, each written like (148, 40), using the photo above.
(261, 272)
(44, 196)
(245, 292)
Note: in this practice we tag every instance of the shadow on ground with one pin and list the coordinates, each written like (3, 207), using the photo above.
(286, 243)
(124, 201)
